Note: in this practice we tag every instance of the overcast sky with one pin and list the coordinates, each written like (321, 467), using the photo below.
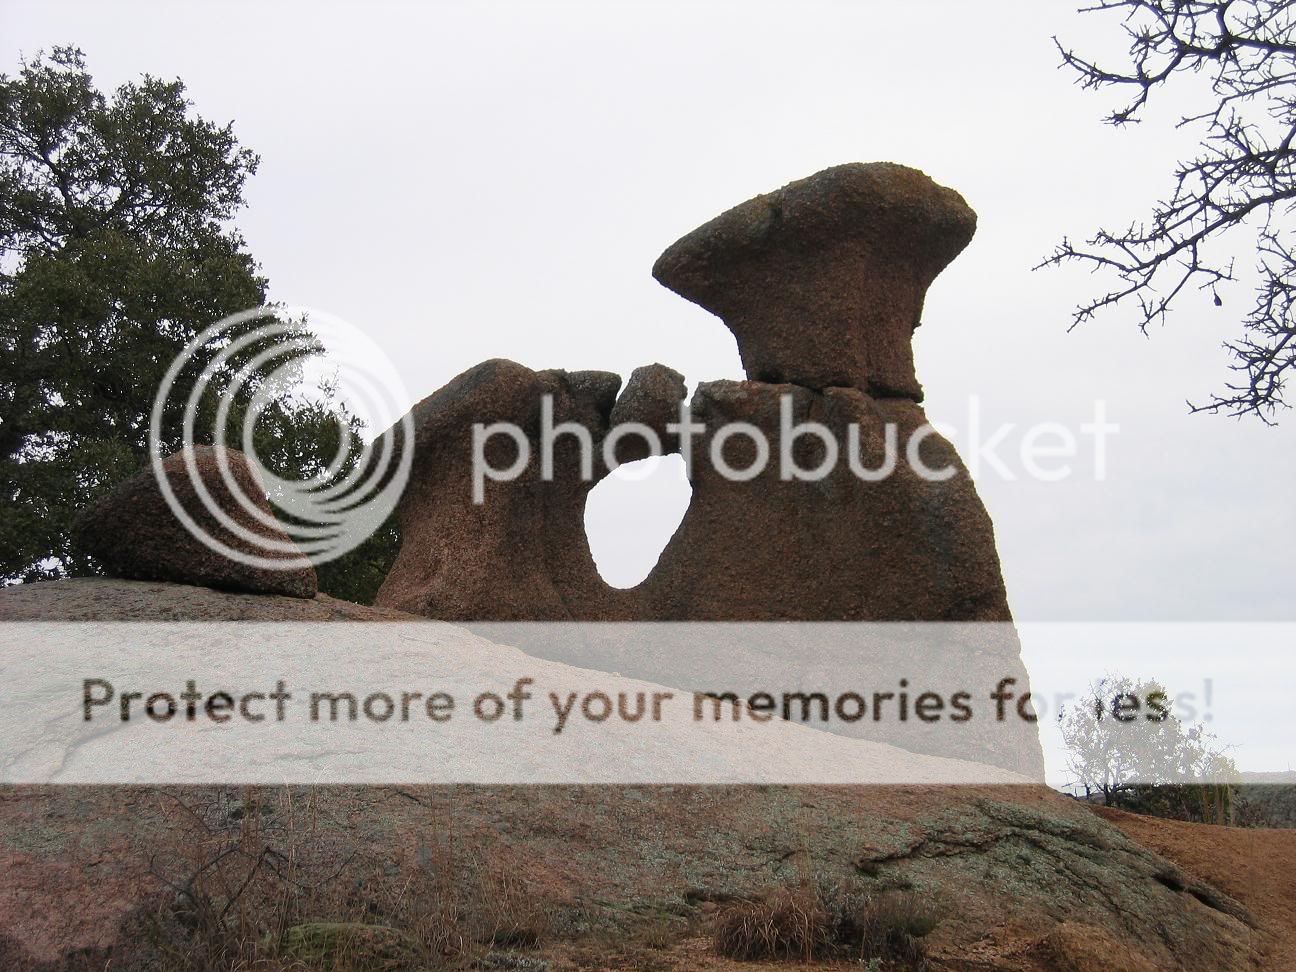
(467, 182)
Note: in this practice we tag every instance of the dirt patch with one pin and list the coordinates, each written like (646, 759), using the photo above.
(1255, 866)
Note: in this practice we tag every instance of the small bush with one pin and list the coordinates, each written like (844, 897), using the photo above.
(787, 924)
(839, 923)
(889, 927)
(1194, 802)
(1266, 805)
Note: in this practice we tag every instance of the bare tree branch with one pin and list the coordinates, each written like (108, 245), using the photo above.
(1243, 181)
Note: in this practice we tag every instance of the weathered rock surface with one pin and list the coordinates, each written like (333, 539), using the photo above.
(134, 534)
(823, 281)
(89, 599)
(520, 554)
(651, 398)
(902, 548)
(680, 748)
(839, 548)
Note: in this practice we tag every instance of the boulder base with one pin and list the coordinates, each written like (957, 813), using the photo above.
(133, 532)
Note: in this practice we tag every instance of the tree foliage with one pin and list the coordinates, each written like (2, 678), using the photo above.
(1125, 743)
(1242, 182)
(116, 250)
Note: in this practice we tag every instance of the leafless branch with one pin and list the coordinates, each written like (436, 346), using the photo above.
(1242, 181)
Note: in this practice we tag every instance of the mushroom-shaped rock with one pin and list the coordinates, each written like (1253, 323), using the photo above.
(822, 282)
(134, 534)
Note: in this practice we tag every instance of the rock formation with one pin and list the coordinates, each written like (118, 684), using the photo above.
(823, 283)
(902, 548)
(133, 533)
(520, 554)
(652, 399)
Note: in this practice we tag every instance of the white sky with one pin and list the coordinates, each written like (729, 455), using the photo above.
(472, 181)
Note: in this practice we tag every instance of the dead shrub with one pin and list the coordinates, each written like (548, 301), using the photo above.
(887, 927)
(805, 924)
(510, 914)
(275, 879)
(787, 924)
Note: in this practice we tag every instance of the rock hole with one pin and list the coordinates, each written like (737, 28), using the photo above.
(632, 514)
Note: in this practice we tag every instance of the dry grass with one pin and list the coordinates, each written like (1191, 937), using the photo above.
(789, 923)
(804, 923)
(293, 880)
(260, 886)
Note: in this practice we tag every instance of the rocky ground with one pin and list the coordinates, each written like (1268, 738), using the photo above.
(587, 877)
(1014, 877)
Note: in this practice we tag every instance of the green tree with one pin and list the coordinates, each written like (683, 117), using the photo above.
(116, 250)
(297, 439)
(1124, 743)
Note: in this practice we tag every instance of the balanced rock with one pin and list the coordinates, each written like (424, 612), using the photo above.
(651, 399)
(134, 534)
(822, 282)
